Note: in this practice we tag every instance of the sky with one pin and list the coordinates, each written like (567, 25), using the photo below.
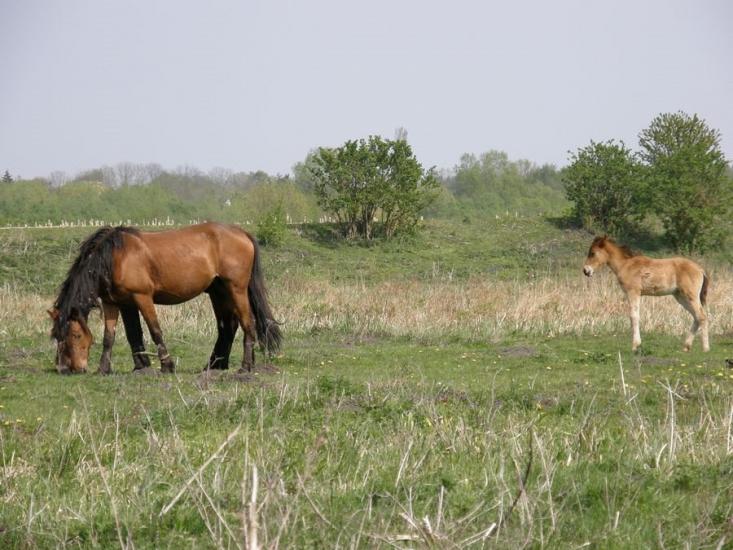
(255, 85)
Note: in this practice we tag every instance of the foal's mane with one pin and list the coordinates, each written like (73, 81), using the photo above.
(625, 250)
(88, 275)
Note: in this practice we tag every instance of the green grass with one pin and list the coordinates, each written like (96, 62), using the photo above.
(361, 440)
(331, 431)
(36, 260)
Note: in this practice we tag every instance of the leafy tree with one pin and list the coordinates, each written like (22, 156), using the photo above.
(602, 181)
(271, 228)
(491, 183)
(303, 172)
(7, 178)
(686, 181)
(374, 179)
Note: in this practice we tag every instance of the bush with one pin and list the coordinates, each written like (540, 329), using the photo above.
(603, 181)
(372, 184)
(272, 227)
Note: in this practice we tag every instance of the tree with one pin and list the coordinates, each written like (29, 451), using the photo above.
(374, 179)
(602, 181)
(7, 178)
(686, 181)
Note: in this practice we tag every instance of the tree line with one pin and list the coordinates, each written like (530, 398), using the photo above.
(372, 188)
(678, 183)
(678, 180)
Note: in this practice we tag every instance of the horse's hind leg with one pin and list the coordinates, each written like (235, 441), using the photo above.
(145, 304)
(134, 333)
(699, 320)
(240, 300)
(226, 325)
(111, 313)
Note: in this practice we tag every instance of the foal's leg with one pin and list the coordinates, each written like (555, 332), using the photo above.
(145, 304)
(242, 308)
(634, 300)
(134, 333)
(226, 325)
(110, 313)
(699, 319)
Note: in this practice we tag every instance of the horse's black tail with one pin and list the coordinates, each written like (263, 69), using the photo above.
(268, 329)
(704, 289)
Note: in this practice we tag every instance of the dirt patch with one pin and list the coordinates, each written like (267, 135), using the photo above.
(18, 354)
(519, 351)
(652, 361)
(546, 402)
(147, 371)
(18, 359)
(449, 395)
(242, 376)
(360, 341)
(349, 404)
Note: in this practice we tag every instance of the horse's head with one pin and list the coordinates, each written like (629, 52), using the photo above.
(72, 342)
(597, 256)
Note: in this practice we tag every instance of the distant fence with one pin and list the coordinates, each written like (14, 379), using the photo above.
(169, 222)
(155, 222)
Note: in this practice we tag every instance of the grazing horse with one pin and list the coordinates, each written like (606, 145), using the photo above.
(129, 271)
(642, 276)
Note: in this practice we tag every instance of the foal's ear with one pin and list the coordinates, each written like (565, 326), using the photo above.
(602, 242)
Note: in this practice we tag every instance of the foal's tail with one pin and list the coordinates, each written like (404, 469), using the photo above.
(268, 329)
(704, 289)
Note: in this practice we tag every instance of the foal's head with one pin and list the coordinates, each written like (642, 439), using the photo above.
(598, 255)
(72, 344)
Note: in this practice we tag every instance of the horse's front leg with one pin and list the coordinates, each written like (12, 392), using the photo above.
(134, 333)
(145, 304)
(634, 301)
(110, 312)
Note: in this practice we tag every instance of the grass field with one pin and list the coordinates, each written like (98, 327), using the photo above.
(464, 388)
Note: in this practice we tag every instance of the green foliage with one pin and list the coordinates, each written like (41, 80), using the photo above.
(372, 179)
(357, 436)
(7, 178)
(602, 181)
(272, 227)
(254, 202)
(686, 181)
(493, 184)
(178, 196)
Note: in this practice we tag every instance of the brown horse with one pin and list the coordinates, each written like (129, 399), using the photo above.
(129, 271)
(642, 276)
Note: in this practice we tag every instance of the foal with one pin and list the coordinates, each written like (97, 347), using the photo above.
(642, 276)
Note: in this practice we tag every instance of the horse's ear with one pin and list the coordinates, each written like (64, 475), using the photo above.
(53, 313)
(602, 242)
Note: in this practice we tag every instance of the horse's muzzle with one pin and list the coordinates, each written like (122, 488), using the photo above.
(588, 271)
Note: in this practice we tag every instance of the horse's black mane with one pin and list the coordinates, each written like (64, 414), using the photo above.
(90, 273)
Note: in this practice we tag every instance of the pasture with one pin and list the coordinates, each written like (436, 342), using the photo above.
(467, 387)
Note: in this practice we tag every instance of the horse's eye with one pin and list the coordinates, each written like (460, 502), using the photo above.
(591, 254)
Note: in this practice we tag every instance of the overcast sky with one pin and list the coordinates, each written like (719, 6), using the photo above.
(254, 85)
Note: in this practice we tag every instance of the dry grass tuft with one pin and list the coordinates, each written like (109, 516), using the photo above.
(474, 310)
